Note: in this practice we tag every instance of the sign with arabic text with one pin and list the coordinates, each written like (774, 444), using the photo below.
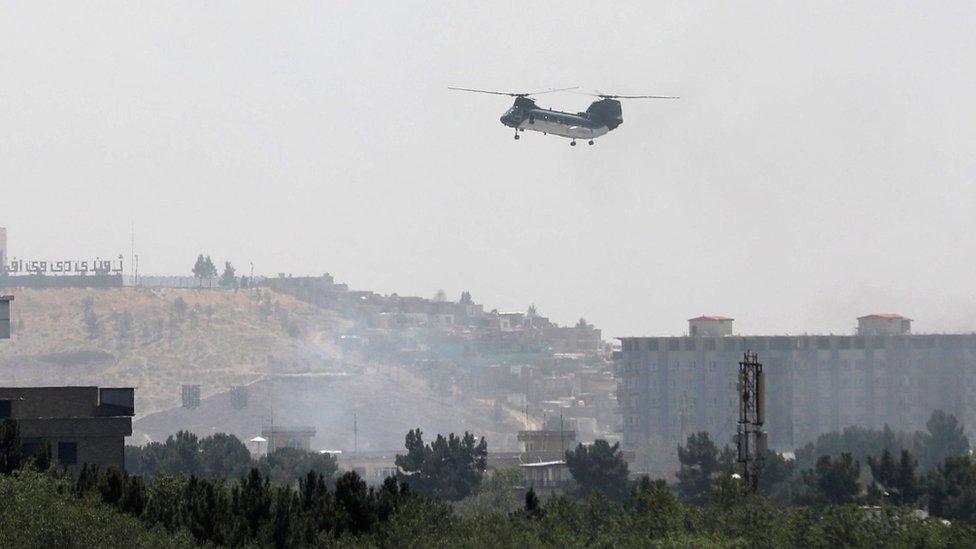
(97, 266)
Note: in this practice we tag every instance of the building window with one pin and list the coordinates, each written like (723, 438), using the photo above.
(68, 453)
(4, 409)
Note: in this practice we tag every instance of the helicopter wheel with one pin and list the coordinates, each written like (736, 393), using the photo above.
(572, 143)
(516, 136)
(591, 141)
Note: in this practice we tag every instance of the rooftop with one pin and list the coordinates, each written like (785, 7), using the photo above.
(712, 317)
(884, 316)
(543, 464)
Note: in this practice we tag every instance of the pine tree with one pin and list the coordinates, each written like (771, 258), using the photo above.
(599, 467)
(229, 278)
(200, 269)
(699, 464)
(210, 271)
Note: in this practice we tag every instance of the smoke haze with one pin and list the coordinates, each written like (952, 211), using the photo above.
(819, 165)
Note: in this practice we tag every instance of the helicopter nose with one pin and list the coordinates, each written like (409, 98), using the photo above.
(509, 119)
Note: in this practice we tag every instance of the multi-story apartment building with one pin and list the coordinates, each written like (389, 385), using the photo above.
(78, 424)
(670, 387)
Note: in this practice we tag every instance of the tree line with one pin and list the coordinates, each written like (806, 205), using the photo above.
(204, 270)
(930, 469)
(603, 506)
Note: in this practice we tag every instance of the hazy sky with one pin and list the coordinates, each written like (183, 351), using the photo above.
(820, 164)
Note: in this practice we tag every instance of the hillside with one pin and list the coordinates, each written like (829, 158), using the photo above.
(282, 349)
(158, 339)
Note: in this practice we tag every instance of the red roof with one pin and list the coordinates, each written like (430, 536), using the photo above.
(711, 317)
(885, 316)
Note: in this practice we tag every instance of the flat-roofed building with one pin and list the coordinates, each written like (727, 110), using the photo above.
(884, 324)
(671, 387)
(79, 424)
(546, 478)
(289, 436)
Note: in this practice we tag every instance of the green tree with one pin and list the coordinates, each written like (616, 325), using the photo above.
(289, 465)
(210, 270)
(951, 488)
(898, 479)
(88, 317)
(9, 447)
(775, 476)
(833, 482)
(700, 464)
(229, 277)
(449, 468)
(466, 298)
(600, 468)
(224, 456)
(200, 270)
(124, 325)
(945, 438)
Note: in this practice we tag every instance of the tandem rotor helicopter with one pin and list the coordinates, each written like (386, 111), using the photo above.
(601, 117)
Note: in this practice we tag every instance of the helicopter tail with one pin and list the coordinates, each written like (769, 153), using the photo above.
(608, 111)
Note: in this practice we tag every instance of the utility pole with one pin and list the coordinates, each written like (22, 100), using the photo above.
(355, 433)
(750, 438)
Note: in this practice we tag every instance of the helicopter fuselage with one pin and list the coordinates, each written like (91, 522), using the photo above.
(547, 121)
(602, 117)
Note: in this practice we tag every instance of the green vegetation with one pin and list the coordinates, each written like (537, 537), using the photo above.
(449, 468)
(599, 468)
(208, 505)
(221, 456)
(38, 510)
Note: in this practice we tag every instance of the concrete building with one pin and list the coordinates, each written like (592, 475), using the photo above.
(299, 437)
(710, 325)
(372, 467)
(5, 316)
(884, 324)
(547, 441)
(547, 478)
(80, 424)
(671, 387)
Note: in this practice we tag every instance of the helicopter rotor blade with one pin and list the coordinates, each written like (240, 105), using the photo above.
(640, 96)
(486, 91)
(551, 90)
(613, 96)
(511, 94)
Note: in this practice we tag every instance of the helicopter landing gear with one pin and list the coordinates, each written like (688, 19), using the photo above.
(591, 141)
(572, 143)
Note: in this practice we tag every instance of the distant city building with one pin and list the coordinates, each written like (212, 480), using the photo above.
(546, 478)
(79, 424)
(715, 326)
(884, 324)
(372, 467)
(5, 316)
(671, 387)
(547, 441)
(298, 437)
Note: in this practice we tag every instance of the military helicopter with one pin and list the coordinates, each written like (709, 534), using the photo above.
(601, 117)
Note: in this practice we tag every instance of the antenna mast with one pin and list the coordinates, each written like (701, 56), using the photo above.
(751, 439)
